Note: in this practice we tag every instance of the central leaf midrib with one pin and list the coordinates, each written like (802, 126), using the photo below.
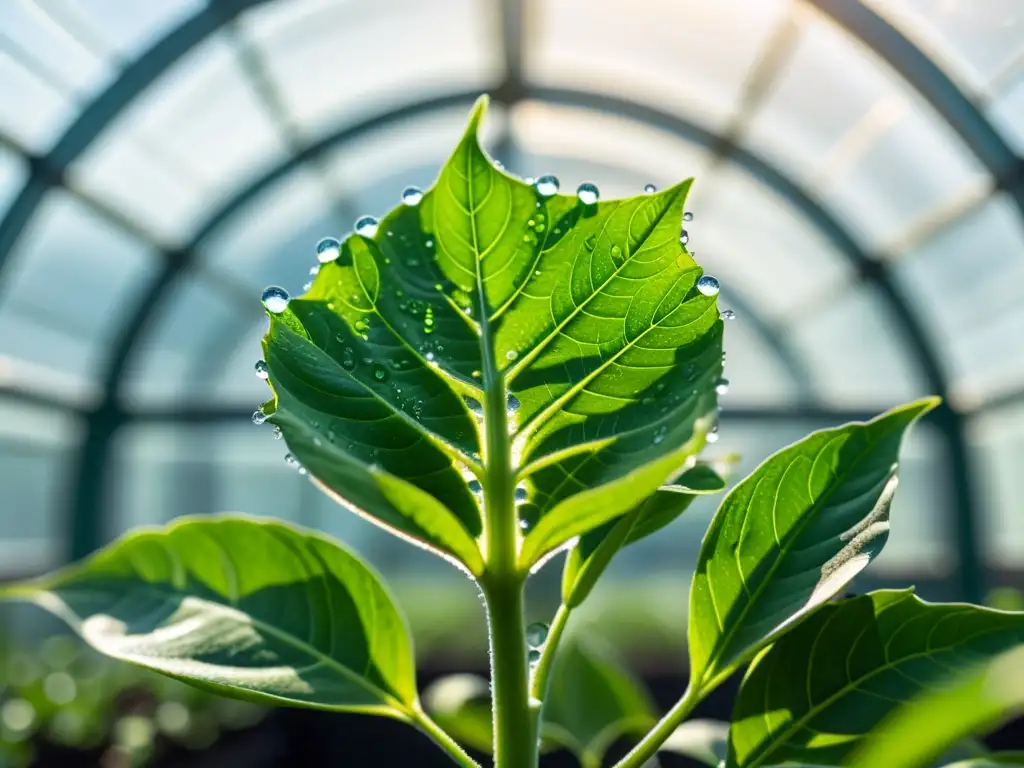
(781, 738)
(726, 637)
(385, 698)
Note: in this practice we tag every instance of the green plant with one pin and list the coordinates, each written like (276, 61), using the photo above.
(498, 373)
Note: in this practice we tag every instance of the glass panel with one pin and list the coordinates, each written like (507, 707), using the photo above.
(36, 451)
(33, 112)
(72, 276)
(35, 37)
(857, 353)
(690, 58)
(359, 58)
(1007, 112)
(13, 173)
(969, 283)
(209, 127)
(756, 375)
(879, 155)
(133, 27)
(749, 237)
(972, 40)
(193, 316)
(997, 440)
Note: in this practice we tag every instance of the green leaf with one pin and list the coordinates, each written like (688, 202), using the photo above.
(790, 536)
(461, 704)
(593, 701)
(703, 740)
(814, 695)
(590, 556)
(589, 315)
(936, 721)
(245, 608)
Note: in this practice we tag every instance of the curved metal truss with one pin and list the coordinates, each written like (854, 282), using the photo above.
(912, 64)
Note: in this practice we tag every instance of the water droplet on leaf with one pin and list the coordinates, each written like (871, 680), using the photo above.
(650, 189)
(533, 656)
(722, 386)
(474, 486)
(412, 195)
(712, 436)
(536, 634)
(512, 404)
(380, 372)
(366, 226)
(521, 493)
(327, 250)
(258, 416)
(687, 216)
(546, 186)
(275, 299)
(261, 369)
(684, 237)
(728, 314)
(587, 193)
(278, 434)
(511, 355)
(708, 285)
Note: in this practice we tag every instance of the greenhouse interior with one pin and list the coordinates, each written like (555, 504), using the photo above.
(858, 191)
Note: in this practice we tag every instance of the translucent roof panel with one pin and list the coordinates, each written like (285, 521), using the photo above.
(1007, 112)
(968, 280)
(997, 441)
(333, 60)
(198, 131)
(690, 58)
(36, 448)
(69, 284)
(974, 41)
(857, 136)
(127, 28)
(13, 173)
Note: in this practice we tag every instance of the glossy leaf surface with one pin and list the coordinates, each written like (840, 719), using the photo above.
(791, 535)
(245, 608)
(815, 694)
(589, 314)
(936, 722)
(594, 551)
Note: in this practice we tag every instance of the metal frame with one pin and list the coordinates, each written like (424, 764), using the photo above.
(903, 56)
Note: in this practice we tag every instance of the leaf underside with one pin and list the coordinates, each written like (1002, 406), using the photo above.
(247, 608)
(814, 695)
(791, 535)
(588, 313)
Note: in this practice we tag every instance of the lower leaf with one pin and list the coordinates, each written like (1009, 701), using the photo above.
(814, 695)
(249, 609)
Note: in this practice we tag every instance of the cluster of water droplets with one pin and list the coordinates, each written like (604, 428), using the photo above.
(536, 636)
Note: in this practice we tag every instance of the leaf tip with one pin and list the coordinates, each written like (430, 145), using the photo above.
(476, 114)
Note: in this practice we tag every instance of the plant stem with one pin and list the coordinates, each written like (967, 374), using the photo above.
(542, 672)
(515, 739)
(649, 744)
(439, 736)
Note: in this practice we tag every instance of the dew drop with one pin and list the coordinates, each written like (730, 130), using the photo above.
(474, 406)
(511, 355)
(722, 386)
(546, 186)
(474, 486)
(278, 434)
(728, 314)
(275, 299)
(533, 656)
(712, 436)
(258, 416)
(521, 493)
(708, 285)
(658, 439)
(429, 357)
(684, 237)
(291, 461)
(616, 253)
(261, 369)
(412, 195)
(327, 250)
(314, 270)
(380, 372)
(587, 193)
(366, 226)
(536, 634)
(307, 287)
(428, 243)
(687, 216)
(512, 404)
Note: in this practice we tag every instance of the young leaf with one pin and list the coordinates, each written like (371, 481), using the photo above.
(246, 608)
(593, 701)
(814, 695)
(790, 536)
(588, 316)
(595, 549)
(937, 721)
(703, 740)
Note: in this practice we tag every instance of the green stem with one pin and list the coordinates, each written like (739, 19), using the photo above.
(649, 744)
(439, 736)
(542, 672)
